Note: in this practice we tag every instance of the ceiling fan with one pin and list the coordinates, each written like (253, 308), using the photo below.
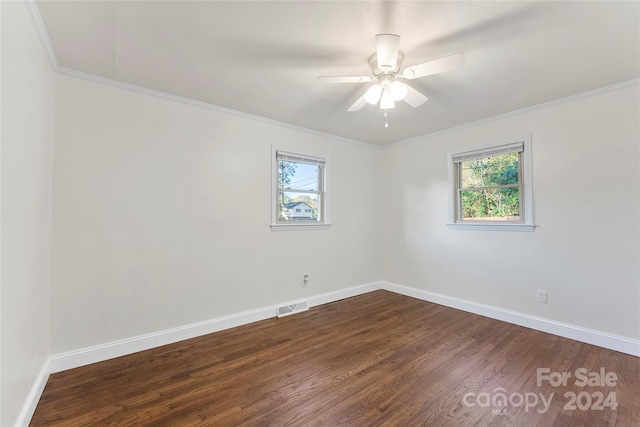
(385, 67)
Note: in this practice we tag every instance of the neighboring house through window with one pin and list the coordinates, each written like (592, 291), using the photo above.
(491, 186)
(297, 211)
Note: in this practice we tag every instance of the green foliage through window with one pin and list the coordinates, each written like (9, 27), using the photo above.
(285, 172)
(489, 188)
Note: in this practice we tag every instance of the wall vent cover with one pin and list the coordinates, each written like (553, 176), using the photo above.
(289, 309)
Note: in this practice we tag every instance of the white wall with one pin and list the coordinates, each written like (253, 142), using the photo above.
(25, 224)
(142, 235)
(585, 250)
(147, 233)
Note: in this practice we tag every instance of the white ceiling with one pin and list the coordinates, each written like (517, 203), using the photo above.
(263, 57)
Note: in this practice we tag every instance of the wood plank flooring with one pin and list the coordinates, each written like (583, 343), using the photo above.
(379, 359)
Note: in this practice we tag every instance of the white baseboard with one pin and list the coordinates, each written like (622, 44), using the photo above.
(99, 353)
(85, 356)
(589, 336)
(343, 293)
(30, 404)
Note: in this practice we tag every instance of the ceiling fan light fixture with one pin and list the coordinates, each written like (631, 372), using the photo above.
(385, 66)
(398, 90)
(372, 95)
(386, 101)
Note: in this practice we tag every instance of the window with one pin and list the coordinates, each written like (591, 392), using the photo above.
(491, 187)
(300, 198)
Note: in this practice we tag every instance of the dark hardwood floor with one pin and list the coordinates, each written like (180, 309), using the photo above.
(379, 359)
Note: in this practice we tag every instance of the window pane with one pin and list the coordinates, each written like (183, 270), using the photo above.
(294, 206)
(300, 176)
(500, 204)
(496, 170)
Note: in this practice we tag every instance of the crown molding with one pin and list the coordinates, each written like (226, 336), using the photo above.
(53, 61)
(164, 95)
(34, 13)
(44, 38)
(571, 98)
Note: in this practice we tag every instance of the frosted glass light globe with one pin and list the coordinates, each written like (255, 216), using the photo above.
(372, 95)
(386, 102)
(398, 90)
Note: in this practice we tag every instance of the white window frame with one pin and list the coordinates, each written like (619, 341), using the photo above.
(525, 180)
(323, 208)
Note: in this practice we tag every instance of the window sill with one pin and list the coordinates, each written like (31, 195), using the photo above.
(491, 227)
(292, 227)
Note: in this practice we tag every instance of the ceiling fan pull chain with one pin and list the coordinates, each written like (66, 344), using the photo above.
(386, 122)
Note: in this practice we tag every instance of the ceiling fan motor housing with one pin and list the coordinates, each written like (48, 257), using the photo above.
(377, 71)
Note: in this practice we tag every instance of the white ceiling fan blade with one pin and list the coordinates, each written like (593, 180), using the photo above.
(414, 98)
(344, 79)
(387, 46)
(358, 105)
(435, 66)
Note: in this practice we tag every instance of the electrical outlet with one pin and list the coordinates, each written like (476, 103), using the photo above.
(542, 296)
(305, 280)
